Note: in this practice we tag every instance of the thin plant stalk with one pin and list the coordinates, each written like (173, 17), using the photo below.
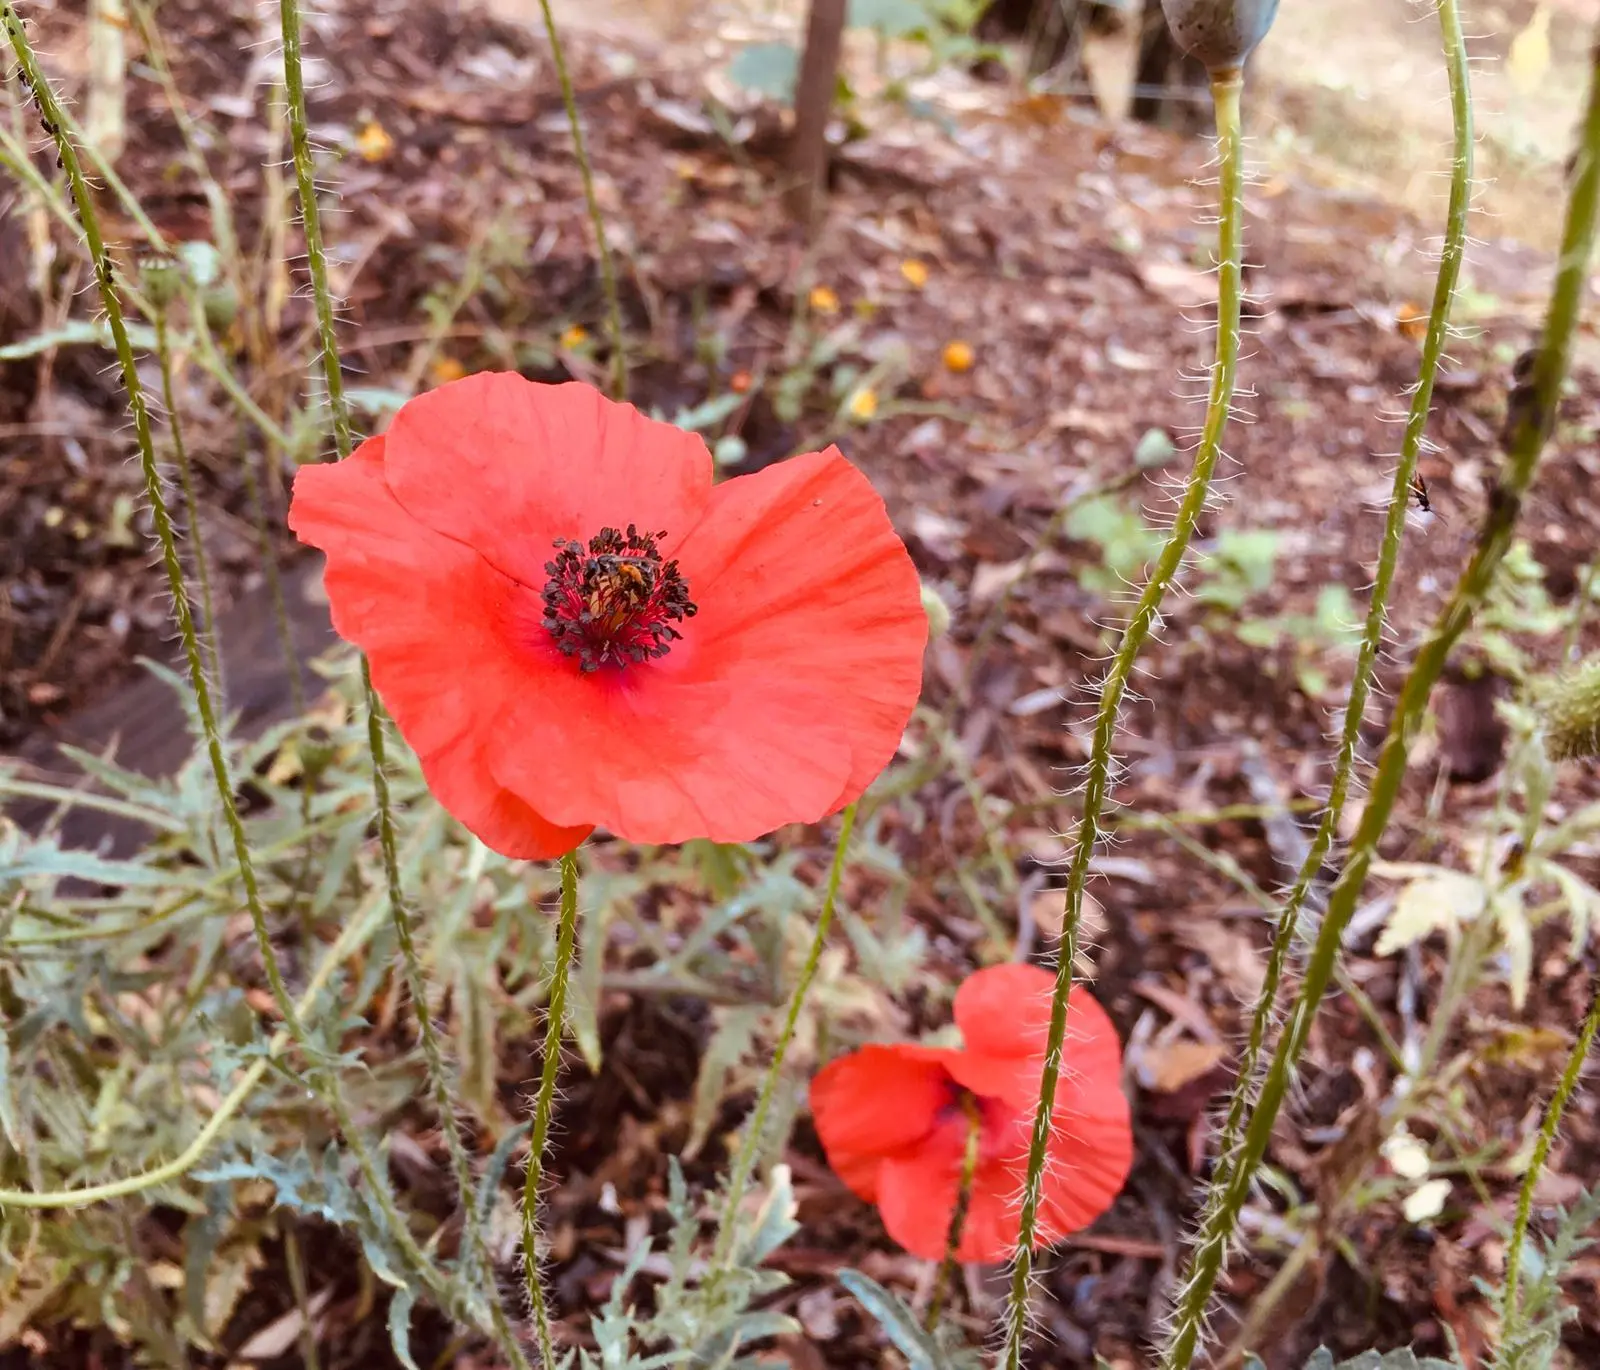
(555, 1018)
(744, 1162)
(280, 605)
(608, 270)
(166, 537)
(1530, 419)
(1288, 918)
(191, 504)
(339, 411)
(1225, 89)
(1510, 1307)
(946, 1274)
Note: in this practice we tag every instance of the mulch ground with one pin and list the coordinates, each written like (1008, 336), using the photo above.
(1071, 259)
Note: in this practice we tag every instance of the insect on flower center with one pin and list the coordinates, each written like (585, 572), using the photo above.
(615, 601)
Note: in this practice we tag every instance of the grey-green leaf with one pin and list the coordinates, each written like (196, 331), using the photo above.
(400, 1326)
(767, 68)
(899, 1324)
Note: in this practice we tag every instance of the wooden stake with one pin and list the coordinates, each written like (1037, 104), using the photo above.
(813, 104)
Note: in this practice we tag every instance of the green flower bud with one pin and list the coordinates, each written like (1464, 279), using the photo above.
(1569, 705)
(937, 610)
(161, 280)
(221, 304)
(1221, 33)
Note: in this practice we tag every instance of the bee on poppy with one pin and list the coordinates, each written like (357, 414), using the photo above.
(1419, 489)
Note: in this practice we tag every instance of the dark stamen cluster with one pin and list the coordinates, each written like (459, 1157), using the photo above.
(614, 601)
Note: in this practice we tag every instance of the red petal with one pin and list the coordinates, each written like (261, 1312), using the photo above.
(1090, 1155)
(994, 1215)
(807, 594)
(462, 781)
(787, 695)
(391, 584)
(1004, 1010)
(1004, 1015)
(507, 466)
(874, 1103)
(917, 1189)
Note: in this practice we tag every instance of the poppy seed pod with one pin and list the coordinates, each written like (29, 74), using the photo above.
(161, 280)
(1569, 706)
(1221, 33)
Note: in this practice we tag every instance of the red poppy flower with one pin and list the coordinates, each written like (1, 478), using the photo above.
(894, 1119)
(572, 627)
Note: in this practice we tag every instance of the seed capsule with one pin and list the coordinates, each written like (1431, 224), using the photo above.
(1221, 33)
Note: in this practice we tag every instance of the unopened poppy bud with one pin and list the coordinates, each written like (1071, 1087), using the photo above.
(937, 610)
(1570, 707)
(221, 305)
(1220, 33)
(161, 280)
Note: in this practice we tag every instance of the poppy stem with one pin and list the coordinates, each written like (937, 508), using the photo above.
(554, 1028)
(744, 1163)
(1265, 1015)
(476, 1257)
(191, 505)
(1226, 85)
(603, 258)
(1531, 413)
(958, 1216)
(1510, 1307)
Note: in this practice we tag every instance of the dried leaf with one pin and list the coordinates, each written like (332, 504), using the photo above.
(1436, 902)
(1427, 1201)
(1166, 1069)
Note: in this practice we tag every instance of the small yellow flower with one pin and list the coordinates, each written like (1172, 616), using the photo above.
(373, 142)
(864, 404)
(915, 272)
(573, 338)
(959, 356)
(447, 369)
(823, 300)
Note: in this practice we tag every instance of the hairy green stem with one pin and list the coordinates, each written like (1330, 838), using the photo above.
(339, 412)
(1510, 1307)
(555, 1018)
(1288, 918)
(305, 174)
(744, 1163)
(280, 606)
(191, 504)
(1530, 418)
(608, 270)
(1225, 89)
(166, 538)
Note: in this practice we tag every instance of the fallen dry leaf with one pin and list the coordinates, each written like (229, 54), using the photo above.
(1180, 283)
(1166, 1069)
(1231, 953)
